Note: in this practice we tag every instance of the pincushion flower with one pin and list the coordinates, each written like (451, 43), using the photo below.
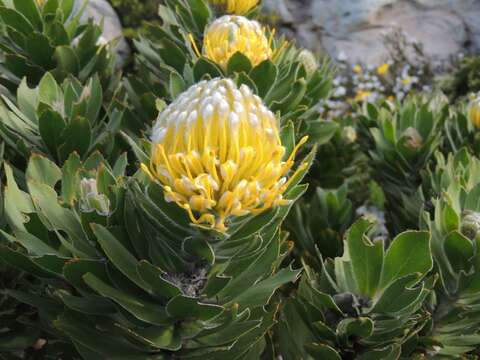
(474, 111)
(239, 7)
(218, 154)
(230, 34)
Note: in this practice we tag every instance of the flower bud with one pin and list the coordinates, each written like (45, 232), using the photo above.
(237, 7)
(309, 61)
(413, 139)
(474, 111)
(349, 134)
(231, 34)
(470, 224)
(91, 200)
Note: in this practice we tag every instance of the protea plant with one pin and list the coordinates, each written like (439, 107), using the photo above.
(318, 224)
(403, 139)
(181, 263)
(48, 36)
(193, 45)
(367, 304)
(454, 225)
(57, 119)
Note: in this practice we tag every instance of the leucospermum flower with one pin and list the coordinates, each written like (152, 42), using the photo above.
(230, 34)
(474, 111)
(239, 7)
(217, 153)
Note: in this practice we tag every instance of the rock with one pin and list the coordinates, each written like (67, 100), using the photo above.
(341, 17)
(99, 10)
(357, 28)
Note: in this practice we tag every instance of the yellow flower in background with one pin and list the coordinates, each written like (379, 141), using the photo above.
(357, 69)
(40, 2)
(383, 69)
(407, 80)
(217, 152)
(239, 7)
(474, 112)
(230, 34)
(363, 95)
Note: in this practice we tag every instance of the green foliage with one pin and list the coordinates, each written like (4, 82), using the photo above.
(465, 79)
(179, 289)
(402, 140)
(58, 119)
(95, 263)
(454, 226)
(50, 38)
(369, 303)
(320, 223)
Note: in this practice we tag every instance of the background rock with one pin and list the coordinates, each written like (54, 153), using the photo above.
(99, 10)
(357, 28)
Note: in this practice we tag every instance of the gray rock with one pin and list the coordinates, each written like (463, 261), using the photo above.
(357, 28)
(101, 10)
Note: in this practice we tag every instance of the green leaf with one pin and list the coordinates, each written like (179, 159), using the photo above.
(176, 85)
(238, 63)
(16, 20)
(199, 248)
(366, 258)
(398, 296)
(264, 75)
(51, 126)
(119, 255)
(154, 276)
(23, 263)
(166, 338)
(389, 353)
(82, 330)
(71, 178)
(459, 251)
(40, 51)
(359, 328)
(260, 293)
(29, 9)
(185, 307)
(76, 137)
(205, 67)
(321, 131)
(48, 91)
(67, 60)
(43, 170)
(409, 253)
(91, 304)
(323, 352)
(144, 310)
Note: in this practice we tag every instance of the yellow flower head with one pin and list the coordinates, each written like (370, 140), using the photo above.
(230, 34)
(217, 153)
(383, 69)
(474, 112)
(239, 7)
(40, 2)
